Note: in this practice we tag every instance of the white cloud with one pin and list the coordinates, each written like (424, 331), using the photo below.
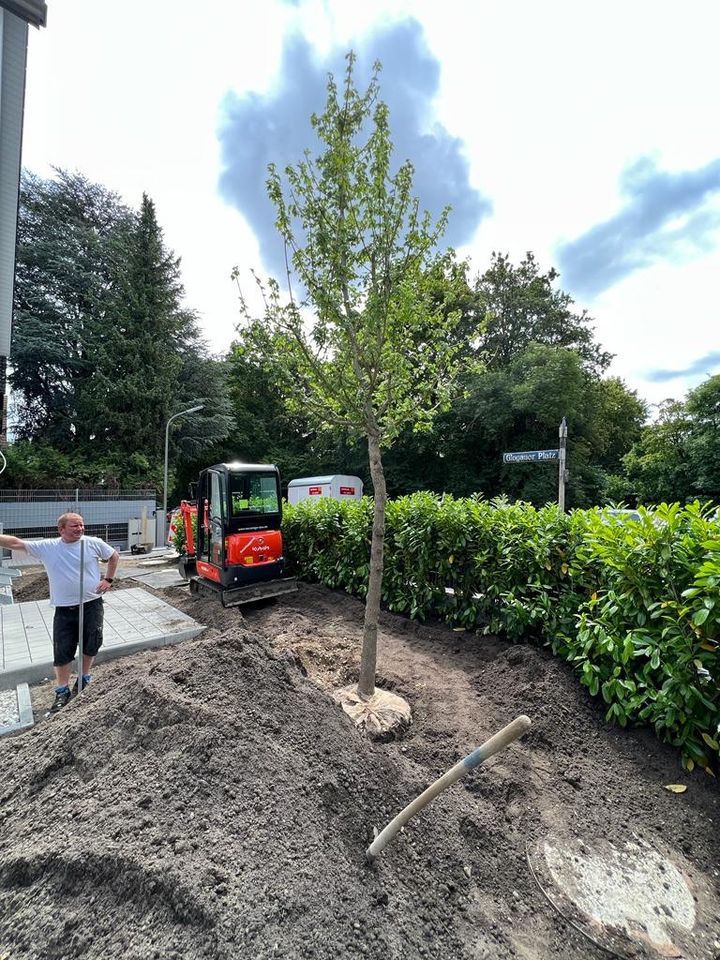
(552, 101)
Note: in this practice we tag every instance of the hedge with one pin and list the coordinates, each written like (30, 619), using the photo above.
(633, 604)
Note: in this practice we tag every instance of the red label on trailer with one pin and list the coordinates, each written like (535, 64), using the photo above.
(315, 491)
(347, 491)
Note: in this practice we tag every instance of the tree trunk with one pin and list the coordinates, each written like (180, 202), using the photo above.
(368, 660)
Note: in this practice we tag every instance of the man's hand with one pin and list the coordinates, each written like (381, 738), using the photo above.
(102, 587)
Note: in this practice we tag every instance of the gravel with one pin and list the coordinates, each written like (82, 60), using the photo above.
(9, 710)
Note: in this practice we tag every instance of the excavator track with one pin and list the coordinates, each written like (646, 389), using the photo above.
(249, 593)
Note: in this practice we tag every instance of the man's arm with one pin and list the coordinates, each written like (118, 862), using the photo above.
(112, 563)
(9, 542)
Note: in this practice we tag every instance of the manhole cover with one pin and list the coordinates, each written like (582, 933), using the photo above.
(628, 896)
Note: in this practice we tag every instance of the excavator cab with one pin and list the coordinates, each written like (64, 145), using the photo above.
(236, 550)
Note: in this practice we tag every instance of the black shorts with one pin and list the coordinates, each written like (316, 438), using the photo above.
(66, 628)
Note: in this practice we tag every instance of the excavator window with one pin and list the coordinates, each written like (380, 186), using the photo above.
(253, 493)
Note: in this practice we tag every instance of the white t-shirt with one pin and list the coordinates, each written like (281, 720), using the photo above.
(62, 562)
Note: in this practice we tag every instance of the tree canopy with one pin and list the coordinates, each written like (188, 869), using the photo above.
(677, 457)
(382, 339)
(103, 349)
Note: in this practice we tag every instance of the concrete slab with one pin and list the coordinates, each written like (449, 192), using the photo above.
(161, 578)
(134, 620)
(17, 712)
(627, 894)
(157, 571)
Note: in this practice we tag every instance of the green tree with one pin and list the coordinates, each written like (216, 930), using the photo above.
(155, 361)
(542, 362)
(658, 466)
(520, 408)
(677, 457)
(703, 408)
(521, 306)
(70, 238)
(264, 430)
(103, 349)
(366, 347)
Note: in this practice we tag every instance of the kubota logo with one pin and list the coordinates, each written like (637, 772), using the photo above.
(264, 549)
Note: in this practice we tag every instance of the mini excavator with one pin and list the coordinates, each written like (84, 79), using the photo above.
(235, 551)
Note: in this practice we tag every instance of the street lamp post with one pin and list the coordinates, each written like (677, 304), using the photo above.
(182, 413)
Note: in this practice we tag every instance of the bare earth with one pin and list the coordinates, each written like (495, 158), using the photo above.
(210, 800)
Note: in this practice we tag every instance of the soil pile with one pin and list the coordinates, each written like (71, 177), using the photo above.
(211, 801)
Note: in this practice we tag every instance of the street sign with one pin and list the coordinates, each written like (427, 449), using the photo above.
(531, 456)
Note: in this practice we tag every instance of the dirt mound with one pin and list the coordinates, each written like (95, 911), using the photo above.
(208, 801)
(211, 801)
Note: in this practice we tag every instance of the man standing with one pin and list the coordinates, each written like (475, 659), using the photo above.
(61, 558)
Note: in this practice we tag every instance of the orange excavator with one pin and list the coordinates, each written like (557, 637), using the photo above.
(234, 548)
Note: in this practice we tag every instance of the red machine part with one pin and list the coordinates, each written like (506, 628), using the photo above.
(241, 549)
(251, 549)
(208, 570)
(188, 511)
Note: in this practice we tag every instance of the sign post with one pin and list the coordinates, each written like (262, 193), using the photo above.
(562, 474)
(543, 456)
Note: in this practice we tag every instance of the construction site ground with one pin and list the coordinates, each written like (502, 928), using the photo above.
(211, 800)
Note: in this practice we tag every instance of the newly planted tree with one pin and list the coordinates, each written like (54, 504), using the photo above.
(365, 343)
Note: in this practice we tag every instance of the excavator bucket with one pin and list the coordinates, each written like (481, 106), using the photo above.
(187, 567)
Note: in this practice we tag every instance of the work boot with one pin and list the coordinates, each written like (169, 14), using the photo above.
(62, 698)
(86, 680)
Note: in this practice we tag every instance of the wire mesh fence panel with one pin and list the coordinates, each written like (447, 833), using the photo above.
(121, 522)
(74, 495)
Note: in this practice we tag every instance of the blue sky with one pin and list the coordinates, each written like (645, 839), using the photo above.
(585, 133)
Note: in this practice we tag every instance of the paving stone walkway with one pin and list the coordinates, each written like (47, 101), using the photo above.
(134, 620)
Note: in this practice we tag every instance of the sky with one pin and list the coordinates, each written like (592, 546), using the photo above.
(585, 133)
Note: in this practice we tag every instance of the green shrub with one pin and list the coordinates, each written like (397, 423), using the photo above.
(634, 605)
(646, 628)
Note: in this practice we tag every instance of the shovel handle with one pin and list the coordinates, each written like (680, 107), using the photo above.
(495, 744)
(503, 738)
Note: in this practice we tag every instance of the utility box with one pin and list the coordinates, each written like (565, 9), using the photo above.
(141, 534)
(338, 486)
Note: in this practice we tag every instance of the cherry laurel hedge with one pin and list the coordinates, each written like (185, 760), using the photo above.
(633, 604)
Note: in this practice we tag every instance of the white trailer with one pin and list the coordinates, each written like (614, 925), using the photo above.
(338, 486)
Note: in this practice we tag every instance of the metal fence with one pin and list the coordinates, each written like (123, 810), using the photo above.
(74, 495)
(32, 514)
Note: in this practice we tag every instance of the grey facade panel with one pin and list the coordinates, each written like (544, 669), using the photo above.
(103, 518)
(13, 53)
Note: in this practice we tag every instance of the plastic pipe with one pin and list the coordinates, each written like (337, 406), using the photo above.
(488, 749)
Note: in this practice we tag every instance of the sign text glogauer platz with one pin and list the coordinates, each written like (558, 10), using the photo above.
(531, 456)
